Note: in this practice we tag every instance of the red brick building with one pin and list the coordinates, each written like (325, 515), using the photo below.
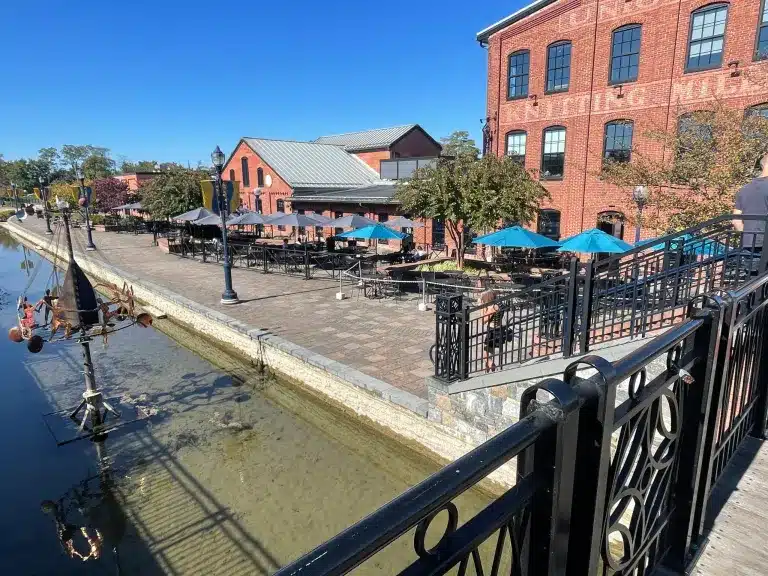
(571, 82)
(136, 179)
(336, 176)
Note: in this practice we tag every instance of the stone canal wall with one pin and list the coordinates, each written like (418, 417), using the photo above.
(402, 413)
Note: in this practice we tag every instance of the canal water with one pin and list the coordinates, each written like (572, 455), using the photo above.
(235, 472)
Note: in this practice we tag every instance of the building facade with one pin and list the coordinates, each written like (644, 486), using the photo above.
(572, 82)
(136, 179)
(335, 176)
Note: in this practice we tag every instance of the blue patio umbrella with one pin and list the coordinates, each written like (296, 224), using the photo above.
(516, 237)
(594, 241)
(374, 232)
(691, 245)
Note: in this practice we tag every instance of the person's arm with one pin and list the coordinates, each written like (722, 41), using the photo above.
(738, 224)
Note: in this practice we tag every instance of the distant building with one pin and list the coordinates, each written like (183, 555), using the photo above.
(136, 179)
(335, 176)
(572, 82)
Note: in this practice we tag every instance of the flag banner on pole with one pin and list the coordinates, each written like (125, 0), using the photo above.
(37, 193)
(211, 202)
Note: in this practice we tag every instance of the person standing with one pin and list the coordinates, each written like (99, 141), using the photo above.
(752, 199)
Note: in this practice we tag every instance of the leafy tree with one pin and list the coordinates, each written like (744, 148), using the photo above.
(128, 167)
(94, 161)
(712, 154)
(465, 192)
(459, 144)
(173, 192)
(98, 166)
(109, 193)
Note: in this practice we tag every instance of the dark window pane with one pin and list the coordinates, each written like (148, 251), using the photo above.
(260, 177)
(618, 141)
(553, 153)
(549, 224)
(280, 206)
(388, 169)
(762, 36)
(438, 232)
(246, 176)
(518, 75)
(705, 49)
(626, 54)
(558, 67)
(516, 143)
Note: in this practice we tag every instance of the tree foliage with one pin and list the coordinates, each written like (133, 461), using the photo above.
(173, 192)
(128, 167)
(459, 145)
(712, 154)
(109, 193)
(466, 192)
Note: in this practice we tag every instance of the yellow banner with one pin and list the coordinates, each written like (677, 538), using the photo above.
(233, 195)
(37, 193)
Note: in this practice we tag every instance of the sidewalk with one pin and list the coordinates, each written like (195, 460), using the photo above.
(384, 339)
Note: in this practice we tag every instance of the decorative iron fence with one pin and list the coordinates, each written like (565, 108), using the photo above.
(629, 295)
(614, 470)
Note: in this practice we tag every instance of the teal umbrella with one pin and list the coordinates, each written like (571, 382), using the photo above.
(691, 245)
(374, 232)
(516, 237)
(594, 241)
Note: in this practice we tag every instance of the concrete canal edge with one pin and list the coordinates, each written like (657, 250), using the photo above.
(400, 412)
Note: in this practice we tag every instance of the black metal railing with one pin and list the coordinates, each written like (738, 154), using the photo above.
(614, 470)
(626, 296)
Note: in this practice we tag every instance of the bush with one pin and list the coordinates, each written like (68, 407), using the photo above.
(5, 214)
(448, 266)
(97, 219)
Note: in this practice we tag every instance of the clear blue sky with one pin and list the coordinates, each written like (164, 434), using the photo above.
(169, 79)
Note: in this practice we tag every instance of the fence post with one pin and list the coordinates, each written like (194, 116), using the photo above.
(264, 256)
(463, 319)
(763, 264)
(447, 330)
(569, 319)
(204, 257)
(306, 263)
(551, 460)
(586, 307)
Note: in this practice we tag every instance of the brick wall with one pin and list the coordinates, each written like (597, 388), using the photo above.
(269, 195)
(374, 157)
(663, 89)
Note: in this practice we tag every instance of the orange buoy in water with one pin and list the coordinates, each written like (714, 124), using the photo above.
(14, 334)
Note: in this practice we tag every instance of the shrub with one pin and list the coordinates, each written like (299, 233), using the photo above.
(97, 219)
(447, 266)
(5, 214)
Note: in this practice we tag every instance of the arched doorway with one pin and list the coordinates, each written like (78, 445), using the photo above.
(611, 222)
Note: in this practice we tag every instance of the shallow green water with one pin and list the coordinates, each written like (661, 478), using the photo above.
(235, 473)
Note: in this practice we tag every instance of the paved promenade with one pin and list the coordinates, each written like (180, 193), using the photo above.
(384, 339)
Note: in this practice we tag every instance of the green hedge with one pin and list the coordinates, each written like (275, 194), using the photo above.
(5, 214)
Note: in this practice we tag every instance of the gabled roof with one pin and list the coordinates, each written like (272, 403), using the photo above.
(382, 192)
(312, 165)
(367, 139)
(524, 12)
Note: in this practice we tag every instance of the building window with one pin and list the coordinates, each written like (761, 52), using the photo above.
(516, 146)
(519, 64)
(705, 47)
(549, 224)
(618, 140)
(438, 233)
(280, 207)
(762, 33)
(246, 176)
(558, 67)
(611, 223)
(336, 216)
(553, 153)
(259, 177)
(759, 110)
(694, 129)
(232, 175)
(625, 54)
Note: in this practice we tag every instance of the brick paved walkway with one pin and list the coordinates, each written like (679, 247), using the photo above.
(382, 338)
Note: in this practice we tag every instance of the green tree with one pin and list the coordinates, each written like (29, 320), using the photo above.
(712, 154)
(173, 192)
(465, 192)
(128, 167)
(459, 144)
(94, 161)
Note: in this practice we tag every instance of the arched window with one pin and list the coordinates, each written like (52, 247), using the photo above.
(761, 52)
(617, 144)
(559, 67)
(246, 176)
(232, 175)
(553, 153)
(707, 37)
(259, 177)
(548, 223)
(280, 207)
(611, 222)
(625, 54)
(694, 129)
(516, 141)
(517, 72)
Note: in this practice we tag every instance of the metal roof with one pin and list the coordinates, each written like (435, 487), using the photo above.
(381, 192)
(525, 11)
(367, 139)
(312, 165)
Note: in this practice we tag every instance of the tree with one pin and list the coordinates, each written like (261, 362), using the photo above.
(98, 166)
(465, 192)
(128, 167)
(109, 193)
(173, 192)
(94, 161)
(705, 161)
(459, 144)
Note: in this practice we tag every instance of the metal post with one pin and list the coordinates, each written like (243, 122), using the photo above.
(229, 296)
(306, 263)
(44, 196)
(586, 307)
(569, 329)
(463, 318)
(68, 238)
(640, 206)
(89, 245)
(90, 379)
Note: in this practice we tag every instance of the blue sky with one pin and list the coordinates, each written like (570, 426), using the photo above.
(169, 79)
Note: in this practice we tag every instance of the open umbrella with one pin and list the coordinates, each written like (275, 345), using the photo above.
(211, 220)
(403, 222)
(193, 215)
(322, 220)
(516, 237)
(373, 232)
(691, 245)
(294, 219)
(248, 219)
(352, 221)
(593, 241)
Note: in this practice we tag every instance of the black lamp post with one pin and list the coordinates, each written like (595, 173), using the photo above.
(44, 197)
(15, 195)
(229, 296)
(90, 246)
(640, 196)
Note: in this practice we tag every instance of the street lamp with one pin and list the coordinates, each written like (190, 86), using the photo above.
(640, 196)
(89, 246)
(229, 296)
(15, 196)
(44, 196)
